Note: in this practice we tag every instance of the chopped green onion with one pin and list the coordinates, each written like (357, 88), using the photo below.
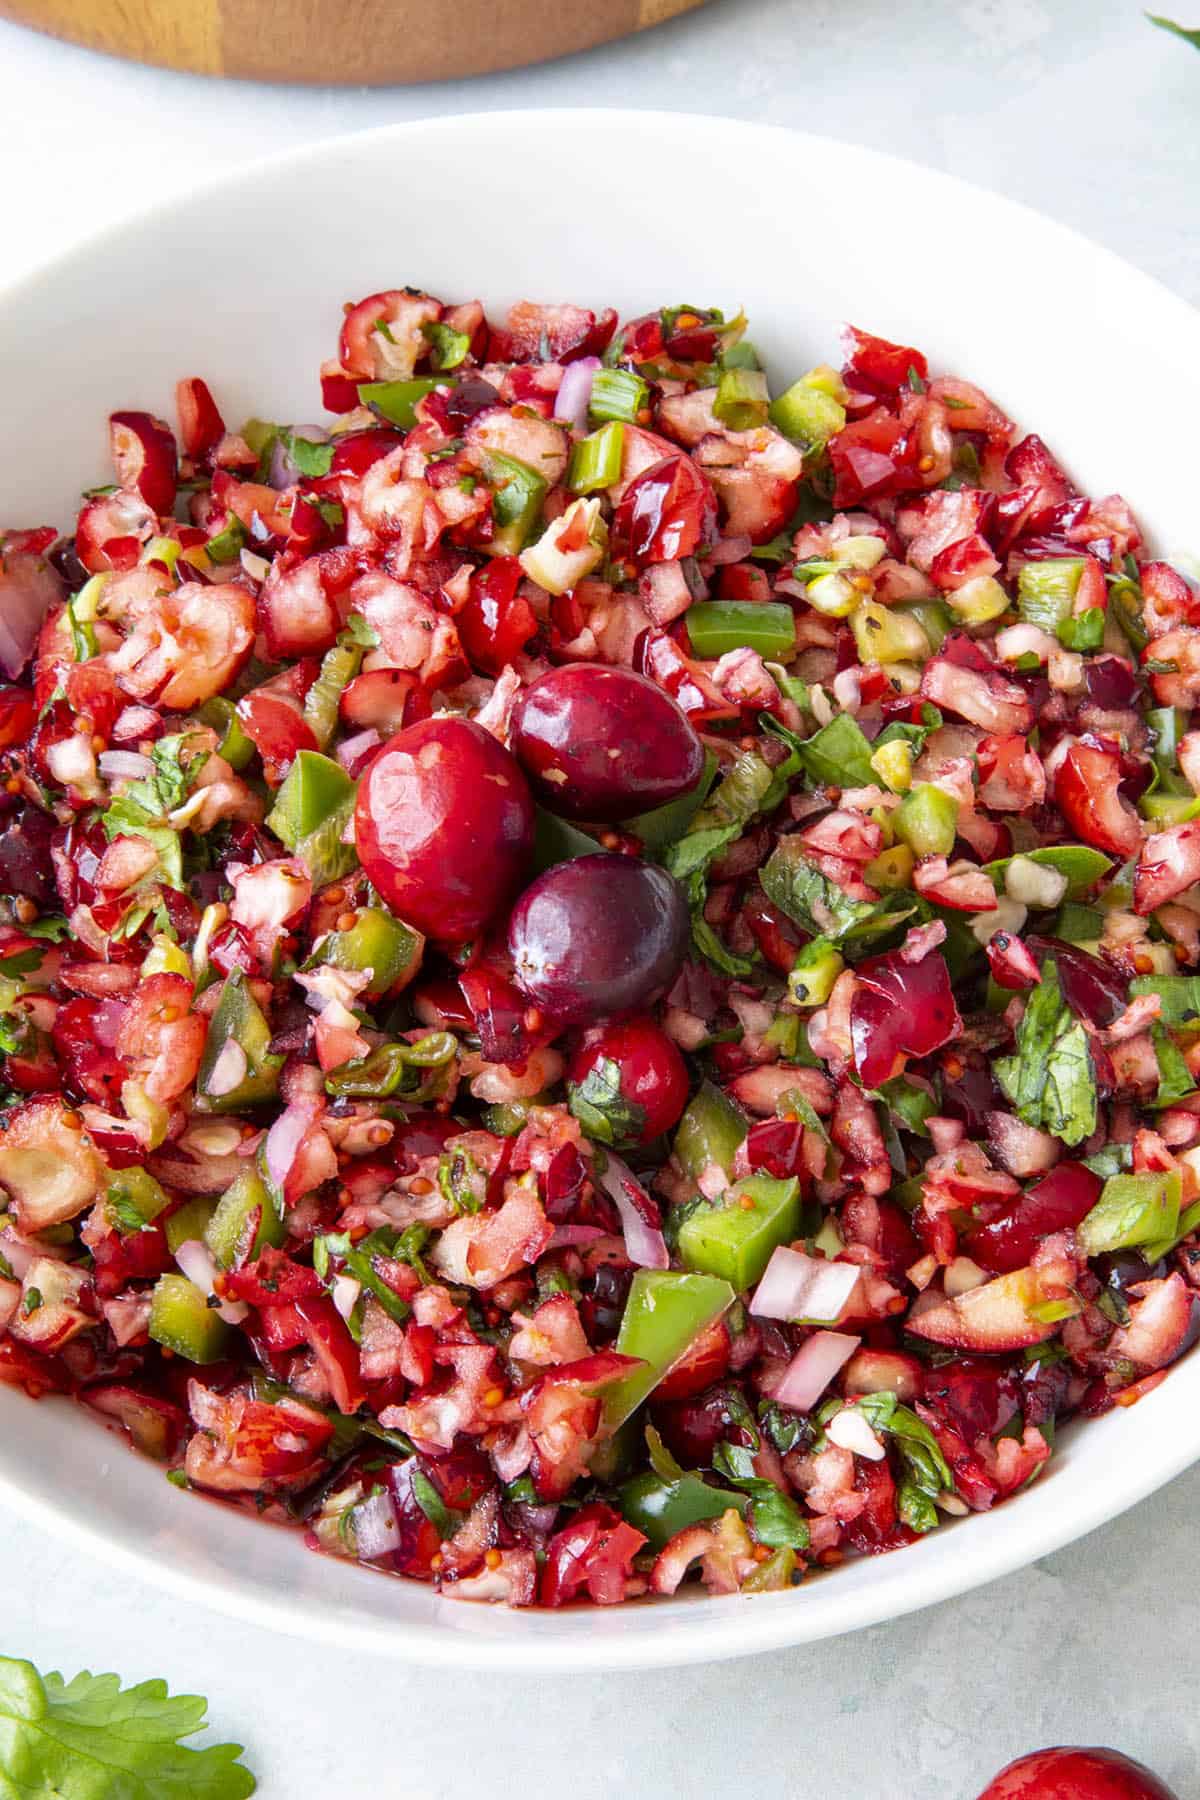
(1046, 591)
(927, 820)
(742, 399)
(596, 460)
(618, 394)
(717, 626)
(808, 413)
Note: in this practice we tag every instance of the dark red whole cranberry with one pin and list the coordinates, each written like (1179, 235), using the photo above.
(603, 743)
(598, 937)
(1121, 1270)
(1076, 1774)
(652, 1079)
(1056, 1203)
(25, 864)
(444, 826)
(977, 1396)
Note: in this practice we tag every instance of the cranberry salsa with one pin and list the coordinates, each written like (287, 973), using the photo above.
(594, 964)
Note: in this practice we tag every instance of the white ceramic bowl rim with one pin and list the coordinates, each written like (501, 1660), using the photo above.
(201, 1553)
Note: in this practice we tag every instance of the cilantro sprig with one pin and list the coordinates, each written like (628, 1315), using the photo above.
(91, 1739)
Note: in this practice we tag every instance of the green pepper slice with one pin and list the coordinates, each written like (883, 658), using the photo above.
(238, 1017)
(227, 1230)
(376, 944)
(718, 626)
(734, 1240)
(710, 1131)
(664, 1314)
(182, 1320)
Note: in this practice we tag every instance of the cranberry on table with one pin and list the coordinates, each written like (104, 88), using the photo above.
(603, 743)
(598, 937)
(633, 1075)
(1076, 1774)
(444, 826)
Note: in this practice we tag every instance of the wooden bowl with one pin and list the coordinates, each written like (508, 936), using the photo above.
(341, 42)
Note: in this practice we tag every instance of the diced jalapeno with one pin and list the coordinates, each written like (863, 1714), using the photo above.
(182, 1320)
(1046, 591)
(311, 812)
(517, 495)
(658, 1508)
(339, 666)
(376, 944)
(233, 744)
(240, 1019)
(136, 1191)
(229, 1227)
(927, 820)
(718, 626)
(808, 414)
(396, 401)
(1132, 1210)
(742, 398)
(816, 968)
(189, 1222)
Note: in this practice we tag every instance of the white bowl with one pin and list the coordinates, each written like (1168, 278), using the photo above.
(243, 283)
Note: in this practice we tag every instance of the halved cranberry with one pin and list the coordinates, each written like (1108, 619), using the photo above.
(978, 1397)
(1056, 1203)
(201, 426)
(444, 826)
(497, 622)
(144, 457)
(666, 512)
(603, 743)
(900, 1009)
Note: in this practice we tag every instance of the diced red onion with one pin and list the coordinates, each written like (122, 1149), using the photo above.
(135, 722)
(353, 749)
(282, 471)
(376, 1528)
(345, 1292)
(229, 1070)
(285, 1137)
(729, 550)
(947, 1134)
(813, 1367)
(107, 1020)
(574, 392)
(797, 1286)
(124, 765)
(644, 1242)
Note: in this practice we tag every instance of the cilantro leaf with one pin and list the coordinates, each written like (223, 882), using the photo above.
(89, 1739)
(798, 888)
(602, 1109)
(1189, 37)
(775, 1518)
(838, 755)
(311, 459)
(432, 1505)
(926, 1471)
(1050, 1080)
(126, 817)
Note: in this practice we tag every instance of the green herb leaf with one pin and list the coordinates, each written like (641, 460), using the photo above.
(1189, 37)
(926, 1471)
(432, 1505)
(838, 755)
(311, 459)
(126, 817)
(1050, 1080)
(89, 1739)
(774, 1517)
(798, 888)
(602, 1109)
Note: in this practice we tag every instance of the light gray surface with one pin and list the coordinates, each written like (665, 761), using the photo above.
(1077, 107)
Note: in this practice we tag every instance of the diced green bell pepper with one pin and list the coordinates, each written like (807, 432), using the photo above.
(658, 1508)
(734, 1240)
(927, 820)
(233, 745)
(226, 1231)
(710, 1131)
(396, 401)
(1076, 925)
(182, 1320)
(240, 1017)
(717, 626)
(339, 666)
(376, 944)
(310, 815)
(743, 398)
(517, 495)
(664, 1315)
(1132, 1210)
(189, 1222)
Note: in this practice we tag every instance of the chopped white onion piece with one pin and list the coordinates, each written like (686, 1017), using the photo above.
(850, 1431)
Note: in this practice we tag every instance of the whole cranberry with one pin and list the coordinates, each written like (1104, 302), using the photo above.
(603, 743)
(1074, 1774)
(444, 826)
(598, 937)
(633, 1075)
